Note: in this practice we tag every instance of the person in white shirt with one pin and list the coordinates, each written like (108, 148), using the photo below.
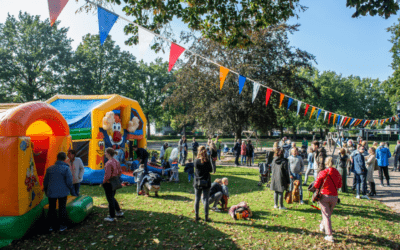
(77, 170)
(162, 151)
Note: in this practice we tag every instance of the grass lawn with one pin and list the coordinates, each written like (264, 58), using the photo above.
(167, 222)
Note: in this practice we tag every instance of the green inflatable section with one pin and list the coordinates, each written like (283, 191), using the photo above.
(14, 227)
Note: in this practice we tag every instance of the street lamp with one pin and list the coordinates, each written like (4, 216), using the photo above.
(398, 123)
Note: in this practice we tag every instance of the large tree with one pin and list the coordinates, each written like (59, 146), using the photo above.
(34, 58)
(271, 61)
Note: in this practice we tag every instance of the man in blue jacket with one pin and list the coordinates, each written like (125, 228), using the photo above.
(360, 172)
(382, 155)
(57, 185)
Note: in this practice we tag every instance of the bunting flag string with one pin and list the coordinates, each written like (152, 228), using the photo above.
(55, 8)
(256, 87)
(338, 120)
(289, 102)
(267, 96)
(242, 79)
(298, 107)
(223, 72)
(281, 99)
(107, 19)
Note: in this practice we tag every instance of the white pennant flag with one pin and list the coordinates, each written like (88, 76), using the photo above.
(145, 39)
(326, 112)
(256, 87)
(341, 121)
(298, 107)
(353, 122)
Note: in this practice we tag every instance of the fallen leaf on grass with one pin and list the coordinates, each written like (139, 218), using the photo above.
(156, 241)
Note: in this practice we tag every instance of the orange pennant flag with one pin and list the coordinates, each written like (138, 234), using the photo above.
(281, 99)
(348, 120)
(223, 72)
(312, 111)
(334, 118)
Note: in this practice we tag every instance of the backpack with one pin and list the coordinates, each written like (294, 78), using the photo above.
(240, 211)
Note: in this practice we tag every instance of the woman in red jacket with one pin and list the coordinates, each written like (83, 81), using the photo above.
(329, 181)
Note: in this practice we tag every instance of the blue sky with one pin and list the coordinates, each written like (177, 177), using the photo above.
(340, 43)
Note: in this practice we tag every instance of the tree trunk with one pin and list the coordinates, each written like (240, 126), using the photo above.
(184, 130)
(281, 129)
(148, 126)
(238, 134)
(321, 134)
(295, 133)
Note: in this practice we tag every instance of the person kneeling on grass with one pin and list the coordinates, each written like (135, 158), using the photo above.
(189, 168)
(151, 182)
(216, 193)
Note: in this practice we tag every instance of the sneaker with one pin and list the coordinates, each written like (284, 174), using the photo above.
(329, 238)
(365, 197)
(381, 185)
(109, 219)
(282, 208)
(275, 206)
(119, 214)
(357, 197)
(302, 202)
(63, 228)
(216, 209)
(388, 185)
(321, 228)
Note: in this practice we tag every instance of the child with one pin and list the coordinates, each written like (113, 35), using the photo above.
(225, 193)
(189, 168)
(154, 160)
(139, 174)
(310, 159)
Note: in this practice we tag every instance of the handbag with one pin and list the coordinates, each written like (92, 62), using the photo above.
(115, 183)
(202, 183)
(317, 194)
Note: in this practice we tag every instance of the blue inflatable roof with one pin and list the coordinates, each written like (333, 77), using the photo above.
(77, 113)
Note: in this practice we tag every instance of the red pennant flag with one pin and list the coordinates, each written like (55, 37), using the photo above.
(267, 96)
(55, 8)
(344, 121)
(174, 54)
(329, 118)
(307, 106)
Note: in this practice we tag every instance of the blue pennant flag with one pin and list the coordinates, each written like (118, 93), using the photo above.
(351, 121)
(338, 120)
(319, 112)
(289, 103)
(242, 79)
(106, 22)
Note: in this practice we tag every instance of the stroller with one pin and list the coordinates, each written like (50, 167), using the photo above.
(265, 173)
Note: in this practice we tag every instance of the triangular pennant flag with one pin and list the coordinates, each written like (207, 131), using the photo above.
(256, 87)
(338, 120)
(106, 22)
(329, 118)
(312, 111)
(145, 39)
(289, 102)
(348, 121)
(334, 119)
(319, 112)
(341, 121)
(307, 106)
(326, 112)
(242, 79)
(267, 96)
(298, 107)
(174, 53)
(55, 8)
(281, 99)
(353, 120)
(344, 121)
(223, 72)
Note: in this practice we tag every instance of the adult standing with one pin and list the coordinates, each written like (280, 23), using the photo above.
(286, 149)
(180, 143)
(218, 146)
(249, 152)
(237, 150)
(213, 156)
(360, 172)
(382, 155)
(319, 157)
(57, 185)
(282, 142)
(280, 177)
(162, 152)
(202, 182)
(296, 167)
(112, 169)
(371, 163)
(329, 140)
(243, 152)
(195, 146)
(351, 149)
(184, 151)
(396, 155)
(142, 156)
(341, 165)
(328, 181)
(77, 170)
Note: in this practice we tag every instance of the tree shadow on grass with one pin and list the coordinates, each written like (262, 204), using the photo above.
(136, 229)
(173, 197)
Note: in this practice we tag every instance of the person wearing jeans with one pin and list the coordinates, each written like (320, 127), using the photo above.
(296, 167)
(382, 155)
(360, 172)
(216, 193)
(57, 185)
(243, 152)
(328, 181)
(219, 147)
(77, 169)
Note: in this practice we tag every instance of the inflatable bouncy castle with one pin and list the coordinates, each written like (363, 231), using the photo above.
(97, 122)
(31, 136)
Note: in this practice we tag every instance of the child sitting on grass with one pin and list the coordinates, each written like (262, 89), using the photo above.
(189, 168)
(225, 194)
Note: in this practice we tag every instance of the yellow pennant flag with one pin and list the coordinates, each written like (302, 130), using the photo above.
(312, 111)
(223, 72)
(281, 99)
(334, 118)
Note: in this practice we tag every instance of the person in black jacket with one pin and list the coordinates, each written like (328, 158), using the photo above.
(213, 156)
(216, 193)
(202, 181)
(237, 150)
(280, 177)
(396, 157)
(142, 156)
(249, 152)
